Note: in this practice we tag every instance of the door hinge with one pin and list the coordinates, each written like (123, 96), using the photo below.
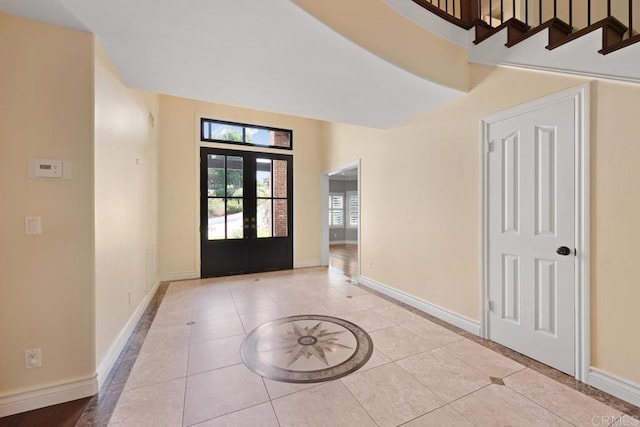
(489, 146)
(491, 306)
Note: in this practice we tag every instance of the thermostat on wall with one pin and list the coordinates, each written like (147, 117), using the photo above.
(49, 169)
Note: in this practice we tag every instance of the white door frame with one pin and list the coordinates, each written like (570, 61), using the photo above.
(580, 95)
(324, 210)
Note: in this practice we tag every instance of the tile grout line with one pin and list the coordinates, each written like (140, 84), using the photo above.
(224, 415)
(264, 384)
(186, 374)
(540, 405)
(275, 413)
(462, 415)
(357, 400)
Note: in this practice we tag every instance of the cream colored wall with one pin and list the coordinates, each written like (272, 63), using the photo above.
(46, 281)
(379, 29)
(125, 201)
(421, 202)
(178, 186)
(615, 228)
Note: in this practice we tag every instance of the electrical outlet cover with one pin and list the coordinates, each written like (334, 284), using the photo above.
(33, 358)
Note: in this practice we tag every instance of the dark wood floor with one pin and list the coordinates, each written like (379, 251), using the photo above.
(63, 415)
(344, 258)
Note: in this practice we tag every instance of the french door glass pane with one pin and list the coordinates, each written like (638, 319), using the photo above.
(280, 217)
(235, 174)
(263, 177)
(264, 218)
(280, 178)
(216, 182)
(235, 218)
(216, 219)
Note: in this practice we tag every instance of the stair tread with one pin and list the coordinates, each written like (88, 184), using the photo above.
(611, 22)
(511, 23)
(624, 43)
(553, 22)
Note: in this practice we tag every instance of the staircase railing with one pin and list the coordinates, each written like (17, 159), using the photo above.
(616, 17)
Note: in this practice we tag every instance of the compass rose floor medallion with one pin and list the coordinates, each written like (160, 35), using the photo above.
(306, 349)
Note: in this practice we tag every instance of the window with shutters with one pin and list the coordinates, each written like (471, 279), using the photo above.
(336, 210)
(353, 209)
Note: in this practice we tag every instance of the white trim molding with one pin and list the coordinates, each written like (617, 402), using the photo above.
(172, 277)
(615, 386)
(107, 362)
(441, 313)
(580, 96)
(306, 263)
(29, 400)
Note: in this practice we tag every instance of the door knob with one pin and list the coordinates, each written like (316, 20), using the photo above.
(563, 250)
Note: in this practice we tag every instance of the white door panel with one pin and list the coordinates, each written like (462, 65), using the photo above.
(531, 202)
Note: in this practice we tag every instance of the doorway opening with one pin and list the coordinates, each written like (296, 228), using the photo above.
(341, 220)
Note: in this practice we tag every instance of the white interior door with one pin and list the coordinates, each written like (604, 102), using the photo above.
(531, 234)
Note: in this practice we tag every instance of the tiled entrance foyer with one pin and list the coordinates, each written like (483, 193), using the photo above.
(189, 371)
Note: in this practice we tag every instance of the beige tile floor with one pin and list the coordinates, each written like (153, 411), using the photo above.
(420, 374)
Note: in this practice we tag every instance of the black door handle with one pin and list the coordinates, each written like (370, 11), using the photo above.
(564, 251)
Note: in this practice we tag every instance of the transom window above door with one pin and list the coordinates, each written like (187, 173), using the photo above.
(244, 134)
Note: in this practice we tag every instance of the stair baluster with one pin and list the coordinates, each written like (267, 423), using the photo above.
(571, 13)
(540, 13)
(630, 18)
(559, 21)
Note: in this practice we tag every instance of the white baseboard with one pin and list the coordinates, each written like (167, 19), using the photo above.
(306, 263)
(343, 242)
(47, 396)
(185, 275)
(441, 313)
(118, 344)
(615, 386)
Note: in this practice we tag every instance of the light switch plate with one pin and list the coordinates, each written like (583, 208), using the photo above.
(32, 225)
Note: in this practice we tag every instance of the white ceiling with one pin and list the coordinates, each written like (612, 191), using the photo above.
(267, 55)
(345, 175)
(51, 11)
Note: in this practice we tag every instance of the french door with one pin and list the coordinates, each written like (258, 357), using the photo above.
(246, 212)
